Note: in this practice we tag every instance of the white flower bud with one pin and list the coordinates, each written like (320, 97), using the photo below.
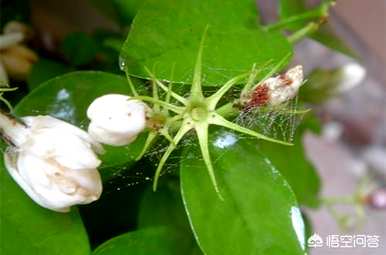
(115, 119)
(53, 162)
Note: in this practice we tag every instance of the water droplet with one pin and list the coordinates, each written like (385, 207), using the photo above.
(122, 64)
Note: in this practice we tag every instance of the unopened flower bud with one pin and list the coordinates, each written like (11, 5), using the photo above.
(277, 90)
(52, 161)
(116, 119)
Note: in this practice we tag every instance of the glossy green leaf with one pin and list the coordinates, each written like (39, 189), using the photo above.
(67, 97)
(28, 229)
(154, 241)
(259, 213)
(165, 35)
(292, 161)
(167, 203)
(296, 168)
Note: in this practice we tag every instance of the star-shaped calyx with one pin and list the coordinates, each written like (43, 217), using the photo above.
(195, 112)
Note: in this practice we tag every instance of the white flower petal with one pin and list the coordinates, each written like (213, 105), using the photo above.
(56, 165)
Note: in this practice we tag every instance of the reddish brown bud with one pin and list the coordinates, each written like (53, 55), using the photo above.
(377, 199)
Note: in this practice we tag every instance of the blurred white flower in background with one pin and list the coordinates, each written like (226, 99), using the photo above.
(352, 75)
(15, 58)
(116, 119)
(54, 162)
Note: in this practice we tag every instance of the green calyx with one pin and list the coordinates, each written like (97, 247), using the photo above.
(193, 113)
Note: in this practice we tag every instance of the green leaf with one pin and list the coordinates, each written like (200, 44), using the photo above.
(154, 241)
(259, 213)
(79, 48)
(44, 70)
(296, 168)
(67, 97)
(167, 33)
(167, 203)
(28, 229)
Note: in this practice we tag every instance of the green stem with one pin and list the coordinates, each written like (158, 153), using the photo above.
(131, 85)
(347, 200)
(303, 17)
(171, 107)
(149, 140)
(300, 34)
(320, 12)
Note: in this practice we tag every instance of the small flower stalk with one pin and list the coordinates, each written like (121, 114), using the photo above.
(54, 162)
(116, 119)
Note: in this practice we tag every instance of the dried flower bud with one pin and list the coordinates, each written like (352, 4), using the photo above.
(52, 161)
(116, 120)
(277, 90)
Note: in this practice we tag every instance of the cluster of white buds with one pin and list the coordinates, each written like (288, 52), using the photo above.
(116, 119)
(277, 90)
(54, 162)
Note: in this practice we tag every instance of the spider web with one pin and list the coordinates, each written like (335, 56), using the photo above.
(275, 122)
(279, 122)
